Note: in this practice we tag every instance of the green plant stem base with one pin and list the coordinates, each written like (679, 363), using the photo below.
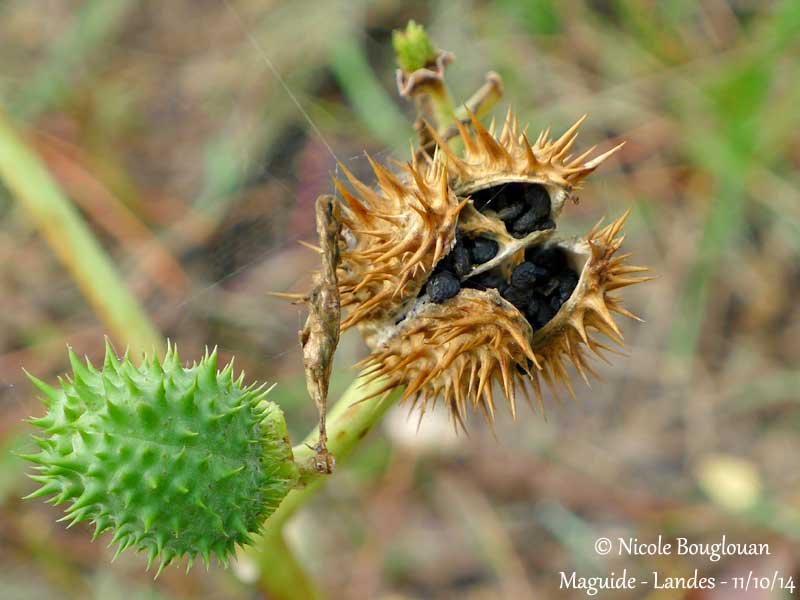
(349, 421)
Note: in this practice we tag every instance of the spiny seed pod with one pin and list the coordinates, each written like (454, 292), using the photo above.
(177, 461)
(393, 237)
(490, 162)
(458, 282)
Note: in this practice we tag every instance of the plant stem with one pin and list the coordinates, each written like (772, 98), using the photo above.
(442, 106)
(349, 421)
(282, 576)
(484, 99)
(73, 242)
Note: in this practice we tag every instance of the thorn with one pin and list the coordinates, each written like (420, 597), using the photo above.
(115, 412)
(231, 473)
(51, 395)
(78, 368)
(310, 246)
(469, 142)
(596, 162)
(299, 298)
(567, 138)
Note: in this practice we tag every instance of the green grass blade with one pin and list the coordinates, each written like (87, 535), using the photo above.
(95, 22)
(73, 242)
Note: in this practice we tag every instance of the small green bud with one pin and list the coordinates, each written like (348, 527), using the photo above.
(177, 461)
(413, 48)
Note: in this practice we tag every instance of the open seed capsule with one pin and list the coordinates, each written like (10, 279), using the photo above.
(454, 274)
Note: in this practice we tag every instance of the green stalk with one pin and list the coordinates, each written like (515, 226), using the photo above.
(444, 112)
(73, 242)
(413, 51)
(282, 576)
(349, 421)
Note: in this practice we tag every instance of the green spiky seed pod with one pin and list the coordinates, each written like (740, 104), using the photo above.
(177, 461)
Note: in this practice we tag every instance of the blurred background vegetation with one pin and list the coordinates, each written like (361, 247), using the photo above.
(164, 124)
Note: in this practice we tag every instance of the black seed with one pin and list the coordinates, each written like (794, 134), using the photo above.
(445, 264)
(488, 279)
(513, 201)
(526, 274)
(547, 286)
(543, 225)
(555, 302)
(538, 211)
(525, 223)
(492, 198)
(502, 199)
(511, 212)
(519, 297)
(538, 200)
(544, 313)
(461, 260)
(532, 310)
(533, 305)
(551, 258)
(567, 281)
(442, 286)
(483, 250)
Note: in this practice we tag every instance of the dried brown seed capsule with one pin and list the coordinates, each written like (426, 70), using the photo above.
(491, 162)
(392, 238)
(453, 275)
(460, 349)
